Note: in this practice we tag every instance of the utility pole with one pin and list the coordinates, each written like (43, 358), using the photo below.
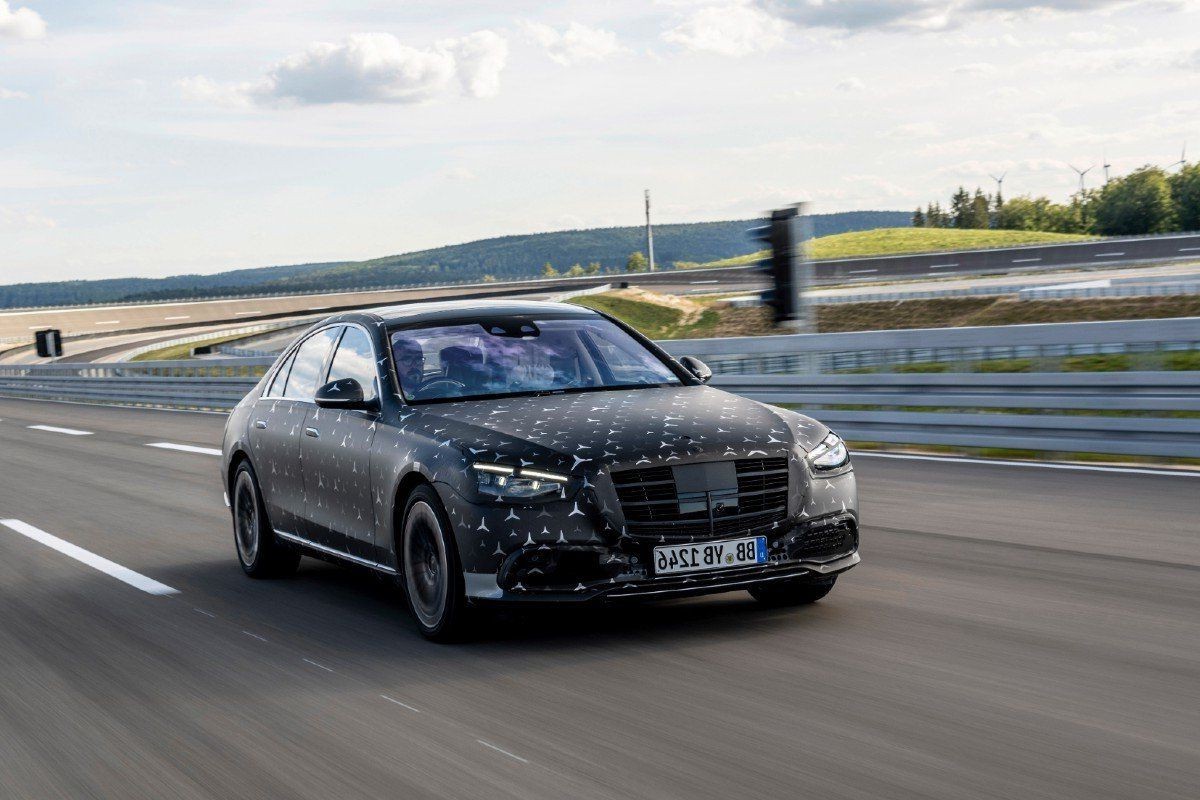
(649, 235)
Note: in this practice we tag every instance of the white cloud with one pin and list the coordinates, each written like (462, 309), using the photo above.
(369, 68)
(975, 68)
(850, 84)
(480, 58)
(735, 30)
(459, 174)
(12, 94)
(933, 15)
(914, 130)
(576, 44)
(25, 220)
(20, 23)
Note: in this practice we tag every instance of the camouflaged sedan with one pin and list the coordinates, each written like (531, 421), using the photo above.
(529, 452)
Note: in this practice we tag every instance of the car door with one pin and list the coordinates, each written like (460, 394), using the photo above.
(276, 426)
(335, 451)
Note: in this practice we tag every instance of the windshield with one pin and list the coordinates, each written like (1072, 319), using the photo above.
(508, 356)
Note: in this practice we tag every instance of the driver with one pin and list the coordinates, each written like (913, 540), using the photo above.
(410, 364)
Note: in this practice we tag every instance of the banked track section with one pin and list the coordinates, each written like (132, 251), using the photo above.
(1099, 252)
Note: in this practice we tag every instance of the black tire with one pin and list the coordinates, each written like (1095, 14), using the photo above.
(430, 568)
(259, 552)
(792, 593)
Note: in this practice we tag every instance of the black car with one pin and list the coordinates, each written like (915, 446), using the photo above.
(529, 452)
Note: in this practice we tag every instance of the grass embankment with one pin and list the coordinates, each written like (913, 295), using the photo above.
(954, 312)
(663, 317)
(894, 241)
(177, 352)
(657, 316)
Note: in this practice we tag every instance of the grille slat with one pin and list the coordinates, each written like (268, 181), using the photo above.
(653, 508)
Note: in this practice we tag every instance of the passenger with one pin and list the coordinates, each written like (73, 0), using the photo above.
(410, 363)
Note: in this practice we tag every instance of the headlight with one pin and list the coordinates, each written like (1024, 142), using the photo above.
(830, 453)
(508, 483)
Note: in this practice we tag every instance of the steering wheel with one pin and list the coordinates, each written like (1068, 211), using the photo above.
(430, 384)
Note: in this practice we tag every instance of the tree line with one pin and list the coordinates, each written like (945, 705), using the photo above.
(1147, 200)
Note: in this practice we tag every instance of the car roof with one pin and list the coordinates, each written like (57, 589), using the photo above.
(457, 309)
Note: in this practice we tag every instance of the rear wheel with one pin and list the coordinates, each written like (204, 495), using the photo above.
(433, 578)
(792, 593)
(260, 553)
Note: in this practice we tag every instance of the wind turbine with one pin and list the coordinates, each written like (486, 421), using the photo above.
(1081, 172)
(1106, 166)
(999, 182)
(1182, 162)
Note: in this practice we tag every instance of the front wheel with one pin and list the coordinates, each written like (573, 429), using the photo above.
(260, 553)
(792, 593)
(433, 579)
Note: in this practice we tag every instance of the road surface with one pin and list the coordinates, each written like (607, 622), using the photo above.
(1012, 632)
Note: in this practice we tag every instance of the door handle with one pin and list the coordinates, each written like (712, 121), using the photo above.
(261, 424)
(313, 432)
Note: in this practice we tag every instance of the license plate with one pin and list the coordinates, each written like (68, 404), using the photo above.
(674, 559)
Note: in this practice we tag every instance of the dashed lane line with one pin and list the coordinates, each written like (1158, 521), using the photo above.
(505, 752)
(402, 705)
(185, 448)
(110, 568)
(55, 429)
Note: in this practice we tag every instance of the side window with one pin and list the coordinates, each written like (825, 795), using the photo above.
(277, 382)
(308, 365)
(355, 358)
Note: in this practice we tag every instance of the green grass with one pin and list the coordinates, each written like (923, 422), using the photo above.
(655, 321)
(890, 241)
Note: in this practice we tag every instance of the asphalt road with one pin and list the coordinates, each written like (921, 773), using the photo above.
(1012, 632)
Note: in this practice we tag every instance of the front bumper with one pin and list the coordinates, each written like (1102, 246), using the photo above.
(485, 587)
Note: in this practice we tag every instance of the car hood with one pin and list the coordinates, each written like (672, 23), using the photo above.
(588, 431)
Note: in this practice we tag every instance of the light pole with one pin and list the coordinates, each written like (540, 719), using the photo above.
(649, 235)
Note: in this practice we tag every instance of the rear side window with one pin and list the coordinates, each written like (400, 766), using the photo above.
(308, 365)
(277, 382)
(355, 358)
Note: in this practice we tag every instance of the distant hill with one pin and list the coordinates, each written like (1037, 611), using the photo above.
(504, 257)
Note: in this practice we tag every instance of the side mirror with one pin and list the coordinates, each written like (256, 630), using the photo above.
(697, 367)
(346, 394)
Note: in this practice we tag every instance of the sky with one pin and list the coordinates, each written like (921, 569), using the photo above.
(166, 137)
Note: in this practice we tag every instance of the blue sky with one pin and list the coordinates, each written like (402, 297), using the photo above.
(164, 137)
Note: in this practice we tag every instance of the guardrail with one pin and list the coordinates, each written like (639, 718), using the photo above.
(1145, 413)
(831, 352)
(208, 384)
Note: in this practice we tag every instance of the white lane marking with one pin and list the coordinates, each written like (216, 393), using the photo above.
(245, 313)
(180, 316)
(942, 266)
(1104, 255)
(317, 308)
(499, 750)
(108, 322)
(1173, 473)
(186, 448)
(854, 272)
(254, 636)
(397, 702)
(1189, 249)
(123, 574)
(315, 664)
(1024, 260)
(697, 282)
(205, 613)
(53, 429)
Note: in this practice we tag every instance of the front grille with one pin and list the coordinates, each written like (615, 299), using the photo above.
(654, 508)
